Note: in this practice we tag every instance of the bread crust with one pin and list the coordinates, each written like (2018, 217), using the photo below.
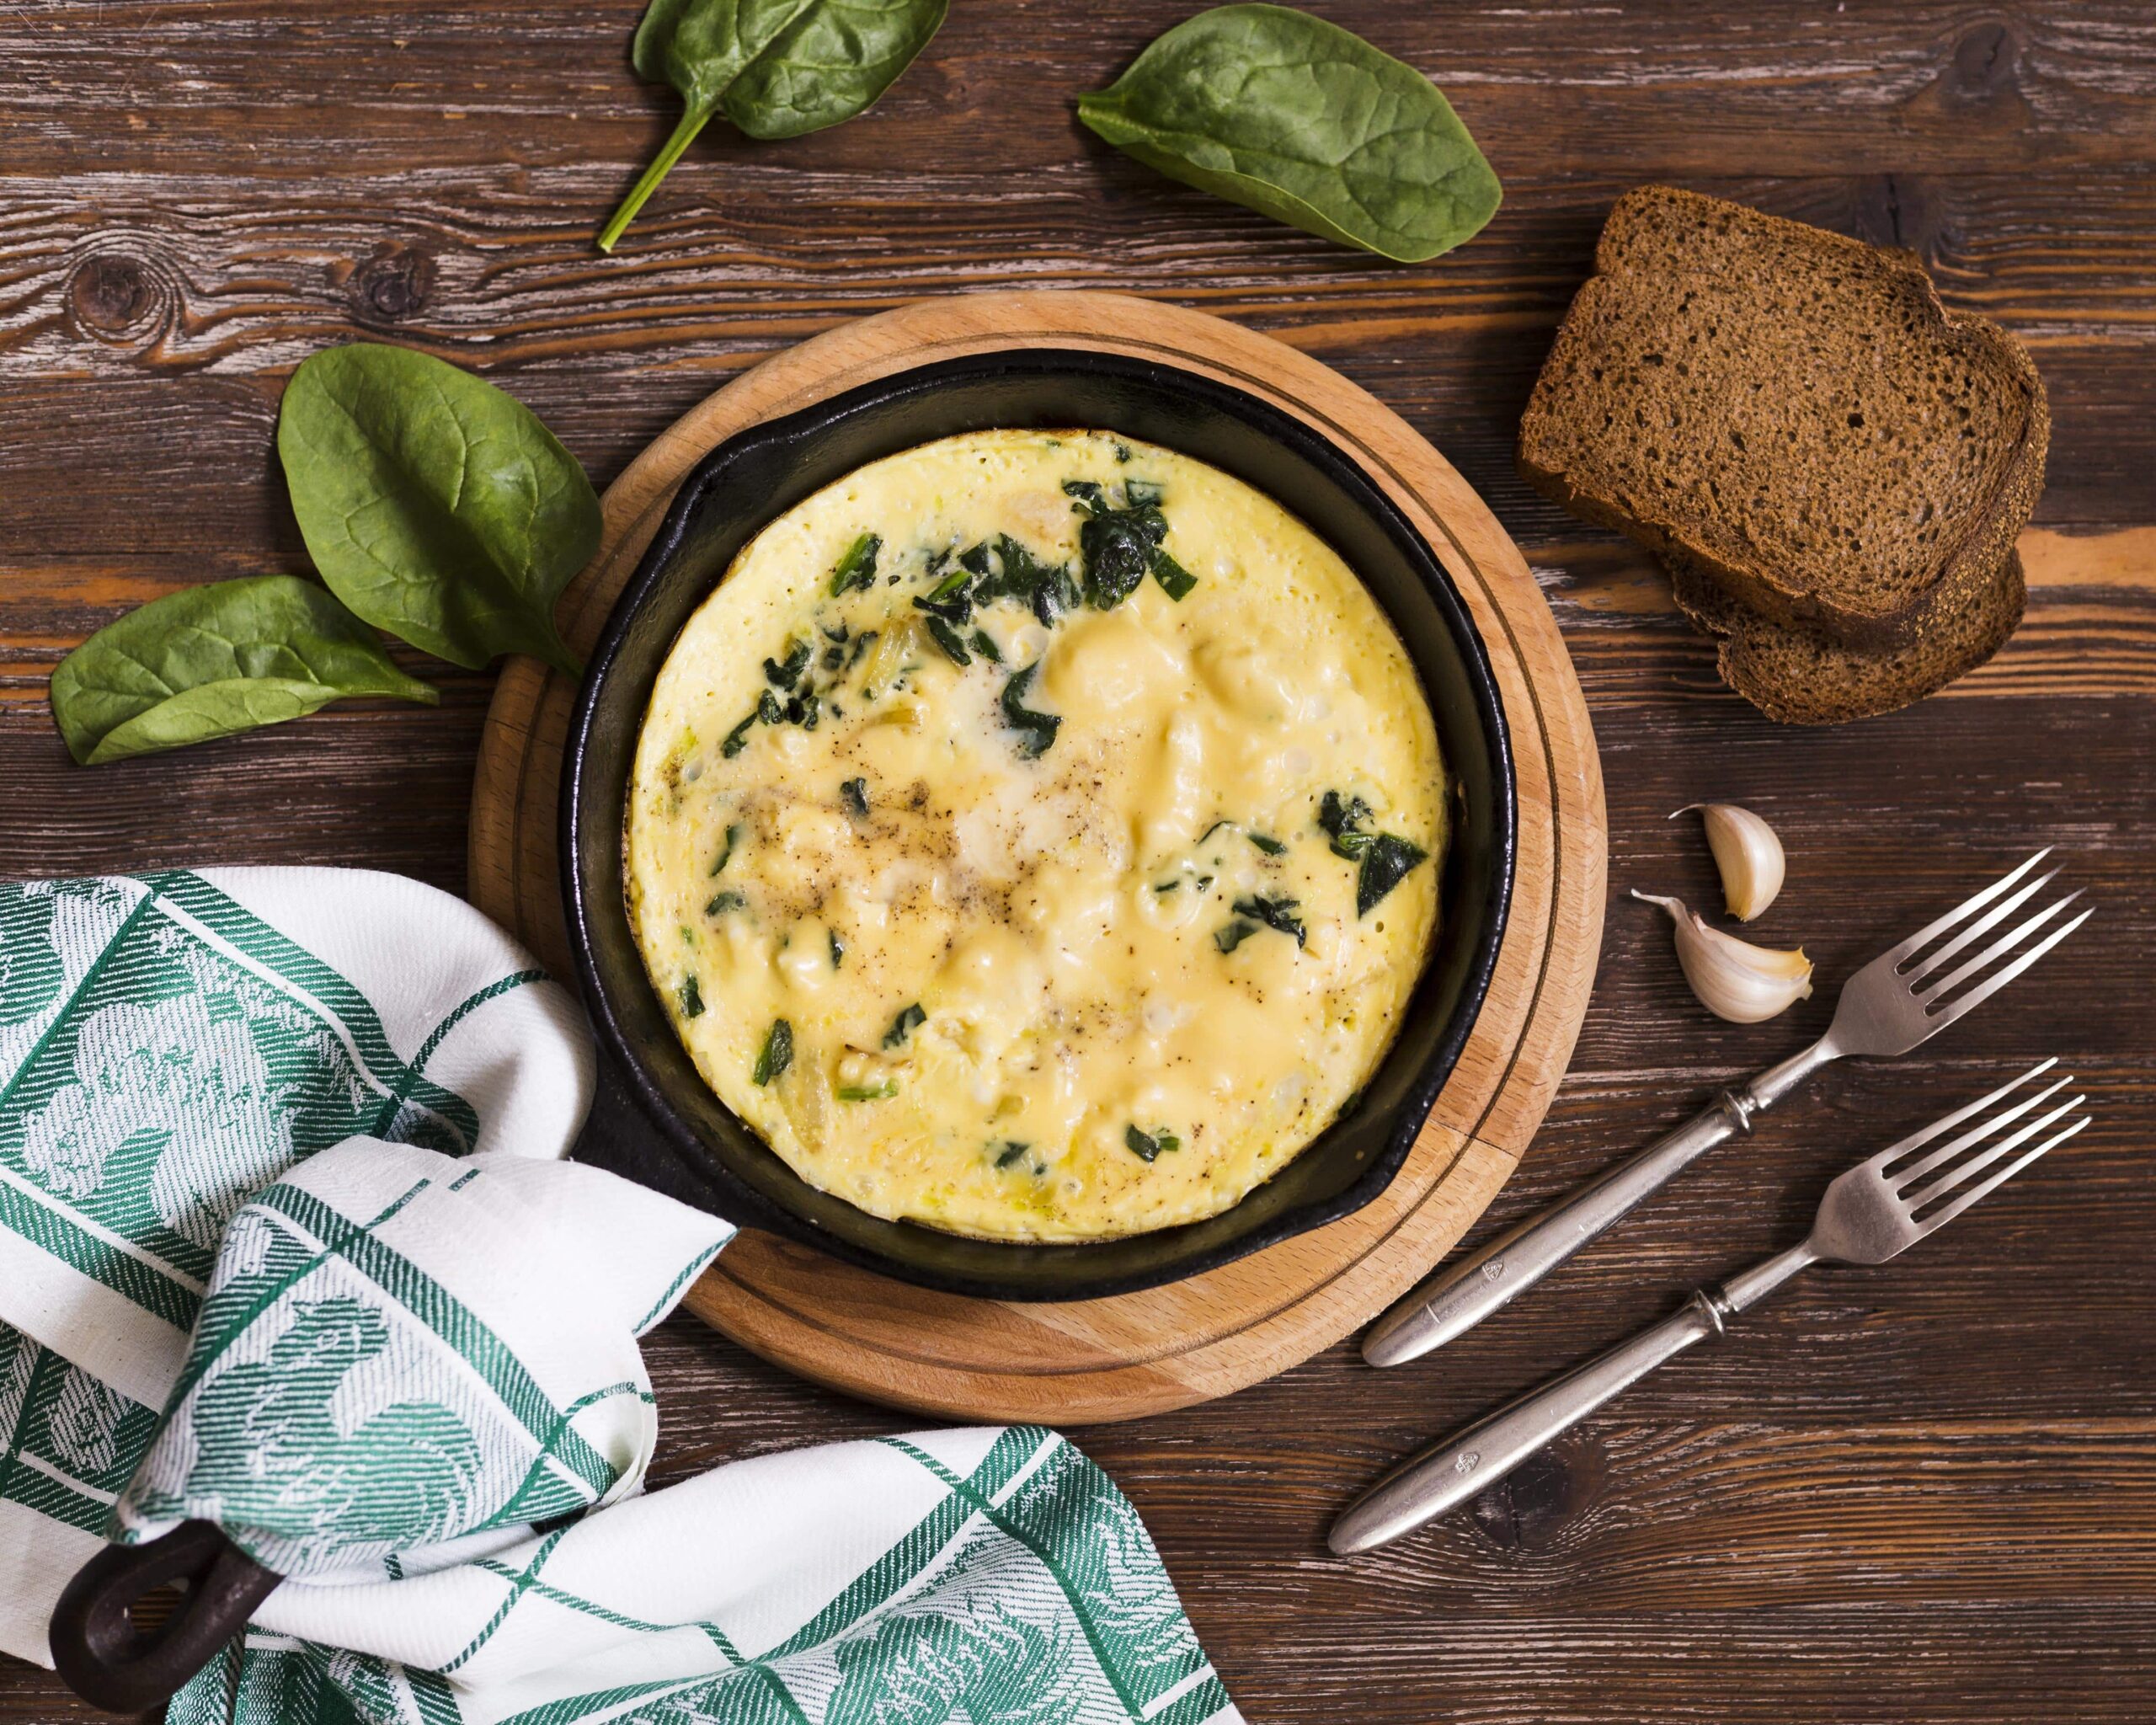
(1640, 233)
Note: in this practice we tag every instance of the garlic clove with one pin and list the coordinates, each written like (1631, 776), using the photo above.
(1733, 979)
(1747, 854)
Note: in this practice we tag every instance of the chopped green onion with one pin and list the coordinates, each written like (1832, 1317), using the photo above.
(866, 1092)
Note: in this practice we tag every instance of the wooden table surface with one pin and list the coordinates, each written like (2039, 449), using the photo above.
(1923, 1493)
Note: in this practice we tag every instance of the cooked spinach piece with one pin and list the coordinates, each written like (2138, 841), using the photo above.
(854, 793)
(786, 673)
(861, 643)
(767, 712)
(1118, 545)
(692, 997)
(1137, 493)
(838, 947)
(1006, 569)
(1168, 886)
(835, 633)
(1203, 882)
(857, 568)
(214, 660)
(946, 637)
(1386, 864)
(1176, 581)
(984, 644)
(726, 850)
(1089, 494)
(1306, 122)
(435, 506)
(1344, 819)
(910, 1019)
(949, 598)
(1035, 730)
(866, 1092)
(1231, 935)
(806, 710)
(1148, 1146)
(778, 1053)
(1123, 452)
(1271, 846)
(721, 903)
(833, 658)
(1011, 1152)
(1277, 914)
(776, 68)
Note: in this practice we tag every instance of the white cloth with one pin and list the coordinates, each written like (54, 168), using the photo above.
(314, 1118)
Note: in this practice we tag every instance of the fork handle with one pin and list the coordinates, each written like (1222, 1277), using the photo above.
(1442, 1478)
(1461, 1294)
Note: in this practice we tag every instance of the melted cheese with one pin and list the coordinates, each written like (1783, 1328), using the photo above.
(1066, 923)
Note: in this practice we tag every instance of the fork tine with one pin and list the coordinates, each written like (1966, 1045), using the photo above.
(1961, 1172)
(1967, 907)
(1990, 920)
(1924, 1135)
(1992, 984)
(1904, 1178)
(1941, 1218)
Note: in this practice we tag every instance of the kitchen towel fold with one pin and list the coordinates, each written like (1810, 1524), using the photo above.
(314, 1118)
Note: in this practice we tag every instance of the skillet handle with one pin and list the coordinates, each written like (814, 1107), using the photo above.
(111, 1664)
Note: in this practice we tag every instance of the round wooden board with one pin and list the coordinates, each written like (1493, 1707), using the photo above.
(1141, 1353)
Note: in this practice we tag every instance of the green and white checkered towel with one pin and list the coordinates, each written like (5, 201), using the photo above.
(316, 1118)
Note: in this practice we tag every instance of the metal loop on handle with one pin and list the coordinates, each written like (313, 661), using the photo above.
(104, 1658)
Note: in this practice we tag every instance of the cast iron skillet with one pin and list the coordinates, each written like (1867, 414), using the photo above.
(656, 1120)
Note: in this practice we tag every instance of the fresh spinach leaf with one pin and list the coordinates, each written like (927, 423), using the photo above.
(1035, 730)
(1386, 864)
(1308, 123)
(435, 506)
(776, 68)
(214, 661)
(778, 1052)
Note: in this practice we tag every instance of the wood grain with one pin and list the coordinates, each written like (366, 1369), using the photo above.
(1213, 1334)
(1921, 1495)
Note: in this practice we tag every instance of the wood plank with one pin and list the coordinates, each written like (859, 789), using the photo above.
(382, 86)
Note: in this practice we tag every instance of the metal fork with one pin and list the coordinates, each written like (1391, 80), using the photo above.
(1887, 1009)
(1875, 1210)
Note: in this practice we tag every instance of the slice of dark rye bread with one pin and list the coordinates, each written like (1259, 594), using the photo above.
(1792, 411)
(1801, 675)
